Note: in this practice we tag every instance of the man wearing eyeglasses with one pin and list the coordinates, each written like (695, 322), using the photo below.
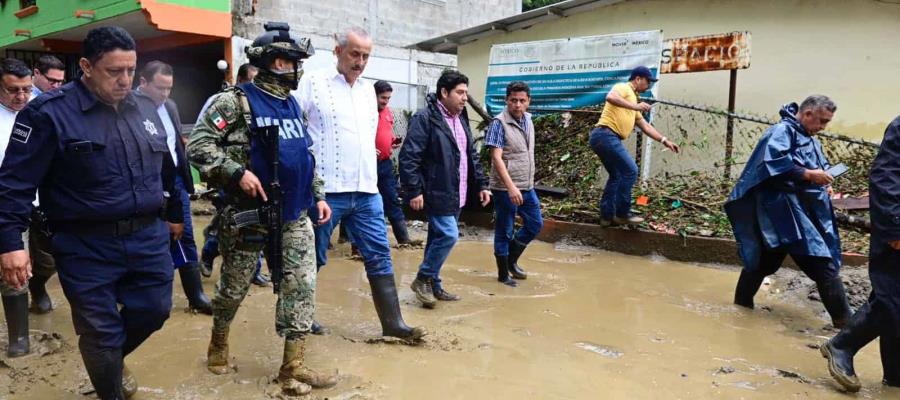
(49, 73)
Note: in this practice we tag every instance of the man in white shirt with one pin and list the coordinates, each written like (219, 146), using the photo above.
(15, 92)
(157, 80)
(342, 117)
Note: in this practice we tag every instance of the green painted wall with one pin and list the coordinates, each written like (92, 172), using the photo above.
(59, 15)
(213, 5)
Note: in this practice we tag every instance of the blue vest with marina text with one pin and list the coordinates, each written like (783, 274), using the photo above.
(296, 163)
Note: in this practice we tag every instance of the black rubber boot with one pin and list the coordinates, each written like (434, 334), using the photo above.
(40, 300)
(834, 297)
(747, 286)
(104, 367)
(515, 251)
(503, 271)
(400, 232)
(16, 310)
(387, 305)
(890, 360)
(861, 329)
(193, 288)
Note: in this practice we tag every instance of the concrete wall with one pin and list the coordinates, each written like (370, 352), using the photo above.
(845, 49)
(394, 24)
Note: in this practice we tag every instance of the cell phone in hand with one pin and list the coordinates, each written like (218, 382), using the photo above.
(837, 170)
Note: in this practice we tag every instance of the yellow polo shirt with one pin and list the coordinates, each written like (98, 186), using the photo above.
(620, 120)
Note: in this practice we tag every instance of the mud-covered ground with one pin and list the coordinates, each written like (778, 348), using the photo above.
(586, 324)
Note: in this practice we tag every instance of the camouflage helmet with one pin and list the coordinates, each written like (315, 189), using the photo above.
(278, 42)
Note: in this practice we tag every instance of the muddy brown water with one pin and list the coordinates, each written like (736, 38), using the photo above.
(586, 324)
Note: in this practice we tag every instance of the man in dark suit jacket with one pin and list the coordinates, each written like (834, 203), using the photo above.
(157, 79)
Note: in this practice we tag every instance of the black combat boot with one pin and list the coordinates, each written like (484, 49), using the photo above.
(104, 367)
(515, 251)
(16, 310)
(193, 288)
(40, 300)
(861, 329)
(747, 286)
(387, 305)
(834, 297)
(503, 271)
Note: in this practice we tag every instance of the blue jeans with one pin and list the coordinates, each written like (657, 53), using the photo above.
(505, 214)
(623, 172)
(184, 250)
(363, 215)
(387, 187)
(443, 233)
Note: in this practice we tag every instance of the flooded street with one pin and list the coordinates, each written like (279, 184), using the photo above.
(586, 324)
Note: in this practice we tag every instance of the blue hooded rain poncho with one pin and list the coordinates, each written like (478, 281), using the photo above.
(771, 211)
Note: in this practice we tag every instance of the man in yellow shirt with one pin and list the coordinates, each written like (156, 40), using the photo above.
(621, 113)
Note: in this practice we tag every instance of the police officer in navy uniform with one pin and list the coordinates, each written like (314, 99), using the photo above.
(880, 316)
(96, 156)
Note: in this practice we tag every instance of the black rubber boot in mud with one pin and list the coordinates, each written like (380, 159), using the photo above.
(861, 329)
(193, 288)
(515, 251)
(40, 300)
(834, 297)
(16, 310)
(387, 305)
(318, 329)
(890, 360)
(104, 367)
(747, 286)
(503, 271)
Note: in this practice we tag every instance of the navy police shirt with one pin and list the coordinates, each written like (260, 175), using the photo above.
(92, 163)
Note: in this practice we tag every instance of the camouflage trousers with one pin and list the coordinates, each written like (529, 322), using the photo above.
(38, 244)
(240, 249)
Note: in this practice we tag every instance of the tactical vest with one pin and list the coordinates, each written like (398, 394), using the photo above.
(518, 153)
(296, 163)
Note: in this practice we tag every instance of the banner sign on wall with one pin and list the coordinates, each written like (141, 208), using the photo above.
(570, 73)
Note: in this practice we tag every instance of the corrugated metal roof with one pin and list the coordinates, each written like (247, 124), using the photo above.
(449, 42)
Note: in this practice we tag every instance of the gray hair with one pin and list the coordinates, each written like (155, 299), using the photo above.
(816, 102)
(343, 38)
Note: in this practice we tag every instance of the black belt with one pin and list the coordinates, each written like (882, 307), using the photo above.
(122, 227)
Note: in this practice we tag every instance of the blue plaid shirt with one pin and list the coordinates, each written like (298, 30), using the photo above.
(495, 136)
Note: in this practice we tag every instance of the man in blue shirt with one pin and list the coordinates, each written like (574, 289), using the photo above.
(97, 156)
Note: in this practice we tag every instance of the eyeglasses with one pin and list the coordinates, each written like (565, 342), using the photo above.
(54, 81)
(17, 91)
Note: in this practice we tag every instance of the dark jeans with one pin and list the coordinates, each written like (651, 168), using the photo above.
(505, 214)
(623, 172)
(387, 187)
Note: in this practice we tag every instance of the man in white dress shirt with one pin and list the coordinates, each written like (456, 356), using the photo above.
(15, 92)
(342, 117)
(157, 81)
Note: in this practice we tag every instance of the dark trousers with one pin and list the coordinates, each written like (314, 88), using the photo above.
(184, 250)
(816, 268)
(99, 272)
(387, 187)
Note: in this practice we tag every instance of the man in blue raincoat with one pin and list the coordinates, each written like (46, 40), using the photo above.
(880, 317)
(781, 206)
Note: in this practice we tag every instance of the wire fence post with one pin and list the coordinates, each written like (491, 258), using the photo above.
(729, 130)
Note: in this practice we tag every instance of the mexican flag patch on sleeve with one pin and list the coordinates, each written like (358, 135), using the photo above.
(218, 121)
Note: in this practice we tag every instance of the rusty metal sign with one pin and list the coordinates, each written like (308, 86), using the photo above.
(706, 53)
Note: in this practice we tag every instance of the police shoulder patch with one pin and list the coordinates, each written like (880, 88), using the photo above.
(21, 132)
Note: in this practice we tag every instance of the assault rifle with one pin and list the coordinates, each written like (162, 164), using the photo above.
(269, 213)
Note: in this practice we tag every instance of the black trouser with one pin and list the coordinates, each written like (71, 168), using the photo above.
(816, 268)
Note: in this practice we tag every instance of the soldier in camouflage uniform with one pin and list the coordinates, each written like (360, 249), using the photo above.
(227, 155)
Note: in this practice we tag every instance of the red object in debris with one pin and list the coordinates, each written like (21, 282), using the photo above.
(642, 200)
